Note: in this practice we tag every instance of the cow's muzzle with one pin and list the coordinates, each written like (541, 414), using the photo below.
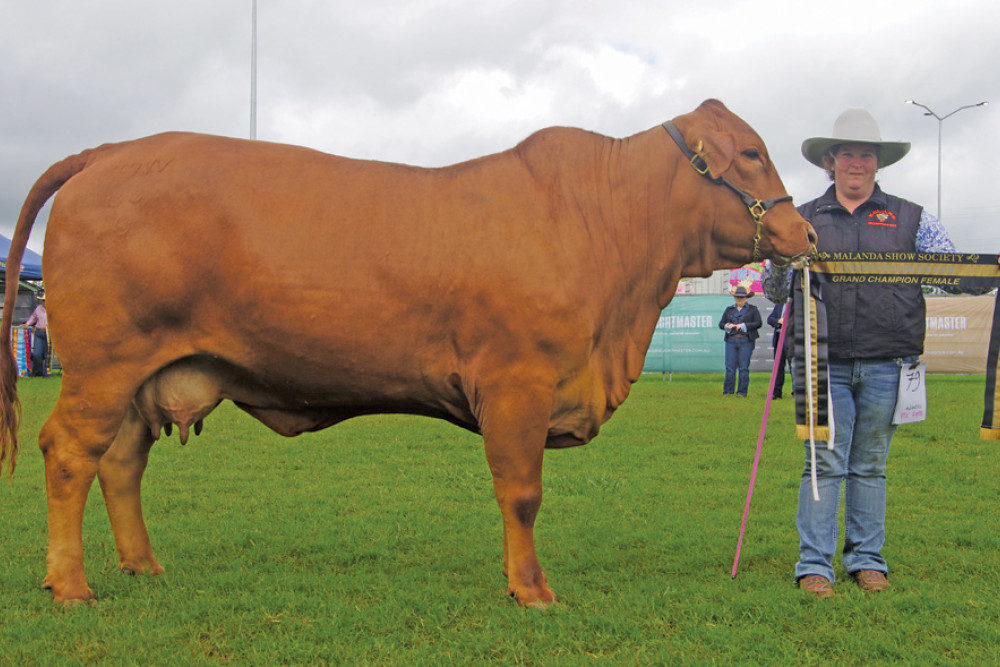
(803, 258)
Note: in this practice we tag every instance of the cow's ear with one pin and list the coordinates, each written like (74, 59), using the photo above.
(718, 149)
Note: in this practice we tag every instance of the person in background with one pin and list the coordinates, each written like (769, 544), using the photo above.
(776, 320)
(39, 339)
(873, 330)
(740, 322)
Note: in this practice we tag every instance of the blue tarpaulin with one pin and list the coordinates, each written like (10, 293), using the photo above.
(31, 262)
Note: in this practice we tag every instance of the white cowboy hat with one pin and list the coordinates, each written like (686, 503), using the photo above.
(856, 125)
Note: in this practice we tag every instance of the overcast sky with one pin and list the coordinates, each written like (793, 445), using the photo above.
(434, 82)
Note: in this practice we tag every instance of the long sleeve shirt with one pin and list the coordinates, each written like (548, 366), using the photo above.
(38, 319)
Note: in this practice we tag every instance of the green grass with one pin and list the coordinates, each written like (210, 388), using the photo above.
(378, 542)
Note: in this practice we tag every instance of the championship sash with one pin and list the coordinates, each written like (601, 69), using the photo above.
(950, 271)
(811, 368)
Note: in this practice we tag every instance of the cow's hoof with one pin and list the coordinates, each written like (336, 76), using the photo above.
(70, 596)
(539, 604)
(132, 568)
(92, 602)
(535, 598)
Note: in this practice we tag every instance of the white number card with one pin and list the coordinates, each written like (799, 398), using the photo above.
(911, 401)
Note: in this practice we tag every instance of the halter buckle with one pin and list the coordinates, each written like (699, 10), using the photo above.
(697, 160)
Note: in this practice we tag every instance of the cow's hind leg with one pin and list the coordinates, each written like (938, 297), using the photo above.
(514, 430)
(182, 393)
(120, 474)
(72, 441)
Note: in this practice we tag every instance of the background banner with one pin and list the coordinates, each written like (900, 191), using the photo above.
(958, 333)
(688, 338)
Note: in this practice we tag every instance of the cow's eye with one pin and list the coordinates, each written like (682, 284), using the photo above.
(751, 154)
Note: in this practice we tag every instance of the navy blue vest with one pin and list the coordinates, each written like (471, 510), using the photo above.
(870, 320)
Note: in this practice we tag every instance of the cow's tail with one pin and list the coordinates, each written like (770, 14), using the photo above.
(41, 191)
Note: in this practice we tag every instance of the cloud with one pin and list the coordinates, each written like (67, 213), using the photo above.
(433, 82)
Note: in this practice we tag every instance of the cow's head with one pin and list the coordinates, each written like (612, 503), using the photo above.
(755, 218)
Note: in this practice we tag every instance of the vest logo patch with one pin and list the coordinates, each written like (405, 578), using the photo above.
(881, 218)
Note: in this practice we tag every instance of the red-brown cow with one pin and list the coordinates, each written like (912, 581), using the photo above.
(514, 295)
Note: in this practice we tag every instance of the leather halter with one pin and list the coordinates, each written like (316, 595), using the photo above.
(756, 207)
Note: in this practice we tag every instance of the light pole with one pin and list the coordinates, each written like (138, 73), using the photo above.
(940, 120)
(253, 70)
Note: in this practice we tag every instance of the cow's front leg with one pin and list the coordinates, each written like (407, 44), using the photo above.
(514, 430)
(69, 473)
(120, 474)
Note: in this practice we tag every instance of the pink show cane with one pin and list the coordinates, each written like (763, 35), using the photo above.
(760, 438)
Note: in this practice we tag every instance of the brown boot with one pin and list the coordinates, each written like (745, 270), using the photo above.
(816, 584)
(871, 580)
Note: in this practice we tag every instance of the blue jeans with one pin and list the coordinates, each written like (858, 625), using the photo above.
(783, 363)
(39, 349)
(738, 353)
(864, 399)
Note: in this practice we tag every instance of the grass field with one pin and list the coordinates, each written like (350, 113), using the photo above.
(379, 542)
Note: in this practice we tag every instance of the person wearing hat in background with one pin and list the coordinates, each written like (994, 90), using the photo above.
(740, 322)
(39, 339)
(873, 330)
